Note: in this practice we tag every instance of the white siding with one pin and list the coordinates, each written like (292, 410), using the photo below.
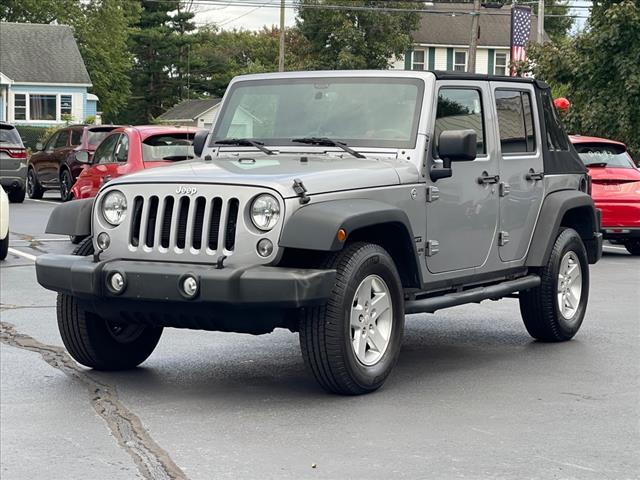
(206, 120)
(397, 64)
(77, 107)
(482, 60)
(441, 59)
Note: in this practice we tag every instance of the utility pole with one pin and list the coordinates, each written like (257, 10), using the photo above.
(281, 52)
(473, 43)
(541, 21)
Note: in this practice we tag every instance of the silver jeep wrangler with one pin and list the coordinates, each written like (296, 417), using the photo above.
(332, 204)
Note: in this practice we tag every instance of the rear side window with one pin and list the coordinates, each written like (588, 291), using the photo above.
(171, 147)
(9, 136)
(76, 137)
(515, 121)
(556, 136)
(460, 109)
(62, 140)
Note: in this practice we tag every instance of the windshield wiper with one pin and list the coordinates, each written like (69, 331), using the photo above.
(597, 164)
(246, 142)
(327, 142)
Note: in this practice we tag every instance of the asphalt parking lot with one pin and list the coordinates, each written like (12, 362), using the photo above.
(472, 396)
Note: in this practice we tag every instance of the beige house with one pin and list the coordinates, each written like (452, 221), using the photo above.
(192, 113)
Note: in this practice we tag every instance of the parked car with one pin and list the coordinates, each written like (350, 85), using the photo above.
(127, 150)
(57, 163)
(4, 224)
(331, 204)
(615, 188)
(13, 163)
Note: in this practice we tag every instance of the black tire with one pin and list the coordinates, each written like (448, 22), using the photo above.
(66, 182)
(632, 246)
(4, 247)
(325, 331)
(100, 344)
(540, 307)
(17, 195)
(34, 190)
(76, 239)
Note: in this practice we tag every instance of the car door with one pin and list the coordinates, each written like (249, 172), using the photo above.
(102, 166)
(40, 160)
(521, 187)
(462, 210)
(49, 176)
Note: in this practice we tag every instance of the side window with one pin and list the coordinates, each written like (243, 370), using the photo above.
(556, 136)
(62, 140)
(122, 149)
(76, 137)
(105, 151)
(53, 139)
(515, 121)
(460, 109)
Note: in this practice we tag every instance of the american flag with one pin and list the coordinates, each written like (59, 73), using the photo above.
(520, 32)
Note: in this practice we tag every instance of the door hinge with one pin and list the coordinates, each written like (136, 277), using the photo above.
(503, 238)
(433, 247)
(504, 189)
(433, 194)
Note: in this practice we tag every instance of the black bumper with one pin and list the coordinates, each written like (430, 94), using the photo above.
(156, 282)
(619, 234)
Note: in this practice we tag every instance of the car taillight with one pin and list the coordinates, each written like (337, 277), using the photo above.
(15, 152)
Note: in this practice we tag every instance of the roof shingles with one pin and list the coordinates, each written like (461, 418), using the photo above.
(189, 109)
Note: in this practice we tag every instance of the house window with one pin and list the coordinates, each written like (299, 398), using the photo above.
(418, 60)
(460, 61)
(42, 107)
(65, 105)
(20, 106)
(500, 64)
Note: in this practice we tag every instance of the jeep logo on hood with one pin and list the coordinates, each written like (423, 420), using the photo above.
(182, 190)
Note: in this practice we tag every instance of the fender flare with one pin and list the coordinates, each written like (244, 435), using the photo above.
(71, 218)
(554, 208)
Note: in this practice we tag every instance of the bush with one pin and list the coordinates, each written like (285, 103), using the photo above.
(32, 135)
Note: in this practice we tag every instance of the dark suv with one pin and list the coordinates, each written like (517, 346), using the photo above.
(13, 163)
(56, 165)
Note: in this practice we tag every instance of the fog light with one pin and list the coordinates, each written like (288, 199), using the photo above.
(265, 247)
(116, 283)
(104, 241)
(189, 286)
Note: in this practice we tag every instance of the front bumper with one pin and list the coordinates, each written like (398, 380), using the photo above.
(158, 283)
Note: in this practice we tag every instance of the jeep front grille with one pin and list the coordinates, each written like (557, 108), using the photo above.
(174, 222)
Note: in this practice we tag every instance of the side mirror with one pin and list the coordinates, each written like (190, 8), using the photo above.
(82, 156)
(454, 146)
(199, 141)
(39, 147)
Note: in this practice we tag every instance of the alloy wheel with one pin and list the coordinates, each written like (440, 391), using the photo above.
(569, 289)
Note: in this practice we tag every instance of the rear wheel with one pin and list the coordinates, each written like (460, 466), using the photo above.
(554, 311)
(66, 182)
(34, 190)
(17, 195)
(351, 343)
(99, 343)
(632, 246)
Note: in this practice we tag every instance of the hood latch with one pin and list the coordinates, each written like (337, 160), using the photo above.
(301, 191)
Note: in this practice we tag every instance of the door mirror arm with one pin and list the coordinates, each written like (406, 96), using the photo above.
(443, 172)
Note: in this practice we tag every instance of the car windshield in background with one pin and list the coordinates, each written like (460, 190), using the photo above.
(9, 135)
(173, 147)
(95, 136)
(361, 112)
(604, 155)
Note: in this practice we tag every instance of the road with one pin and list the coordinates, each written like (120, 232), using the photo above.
(472, 396)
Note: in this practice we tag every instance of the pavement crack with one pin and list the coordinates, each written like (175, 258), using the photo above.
(152, 461)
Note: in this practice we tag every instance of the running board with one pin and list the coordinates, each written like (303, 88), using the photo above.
(475, 295)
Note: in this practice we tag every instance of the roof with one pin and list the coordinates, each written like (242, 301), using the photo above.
(449, 75)
(36, 53)
(452, 24)
(581, 139)
(189, 109)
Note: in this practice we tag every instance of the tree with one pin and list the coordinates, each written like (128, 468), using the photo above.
(599, 72)
(40, 11)
(356, 39)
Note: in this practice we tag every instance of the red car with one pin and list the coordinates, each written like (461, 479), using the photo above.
(129, 149)
(615, 188)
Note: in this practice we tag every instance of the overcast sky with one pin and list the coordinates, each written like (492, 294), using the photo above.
(229, 16)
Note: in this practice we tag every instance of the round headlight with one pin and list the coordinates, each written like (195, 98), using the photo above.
(265, 211)
(114, 207)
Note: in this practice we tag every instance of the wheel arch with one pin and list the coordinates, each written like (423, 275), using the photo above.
(71, 218)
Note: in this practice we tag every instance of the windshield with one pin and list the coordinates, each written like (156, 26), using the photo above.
(170, 146)
(361, 112)
(94, 137)
(610, 154)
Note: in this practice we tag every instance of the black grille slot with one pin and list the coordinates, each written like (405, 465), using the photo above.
(183, 214)
(136, 219)
(151, 221)
(232, 219)
(214, 225)
(198, 223)
(165, 234)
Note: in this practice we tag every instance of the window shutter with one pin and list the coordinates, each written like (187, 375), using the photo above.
(491, 57)
(432, 58)
(449, 58)
(407, 59)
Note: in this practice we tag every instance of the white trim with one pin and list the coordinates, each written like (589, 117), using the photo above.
(466, 60)
(28, 118)
(4, 80)
(495, 62)
(51, 84)
(442, 45)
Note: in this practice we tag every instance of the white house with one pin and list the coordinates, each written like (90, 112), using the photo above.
(43, 79)
(193, 113)
(442, 40)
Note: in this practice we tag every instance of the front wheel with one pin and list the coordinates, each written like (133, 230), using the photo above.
(554, 311)
(632, 246)
(352, 342)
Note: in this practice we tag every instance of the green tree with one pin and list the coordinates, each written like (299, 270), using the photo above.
(599, 72)
(40, 11)
(356, 39)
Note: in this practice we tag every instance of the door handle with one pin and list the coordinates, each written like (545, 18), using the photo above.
(534, 176)
(486, 178)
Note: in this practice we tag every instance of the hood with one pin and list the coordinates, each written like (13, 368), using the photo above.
(319, 173)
